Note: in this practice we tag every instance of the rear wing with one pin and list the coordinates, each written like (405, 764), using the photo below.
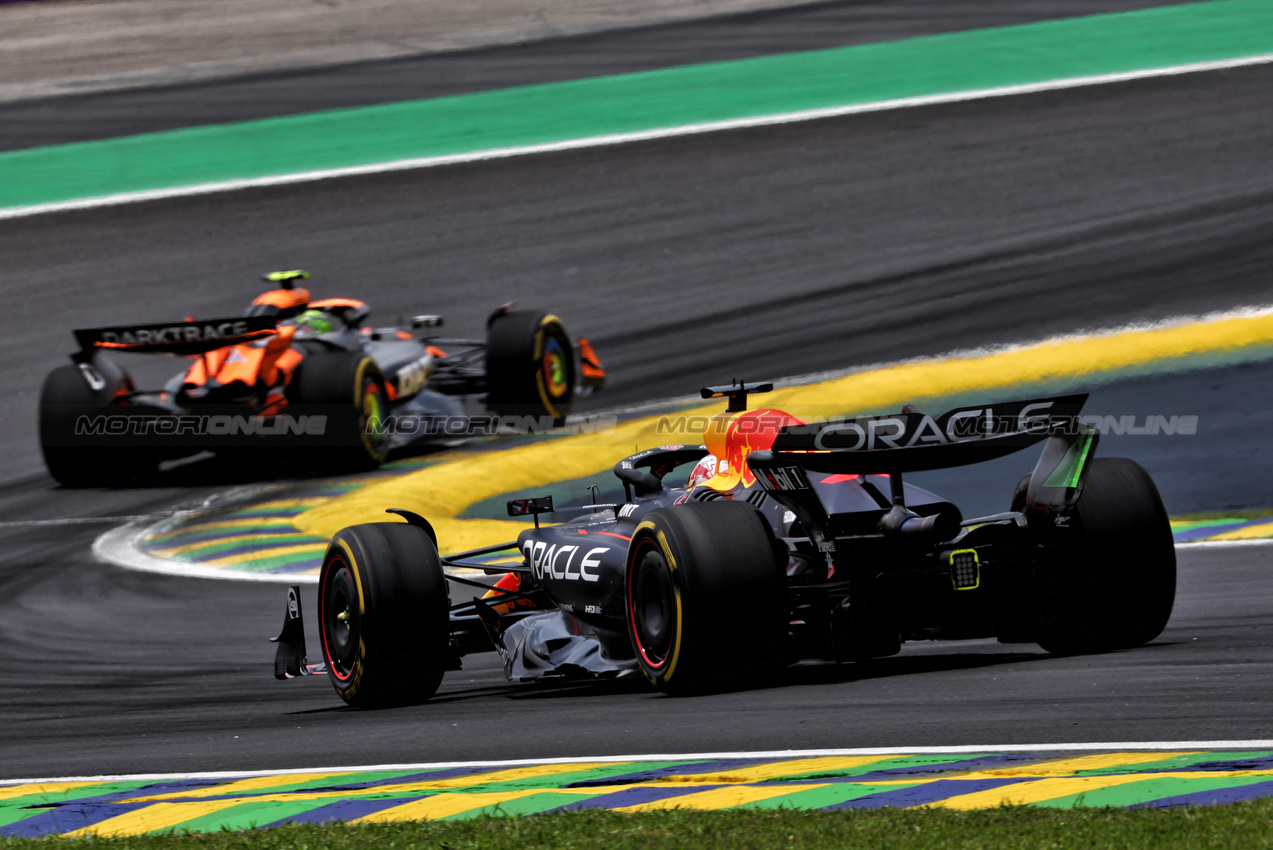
(908, 442)
(189, 337)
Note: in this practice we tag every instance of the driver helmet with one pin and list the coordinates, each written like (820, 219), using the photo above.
(313, 323)
(705, 469)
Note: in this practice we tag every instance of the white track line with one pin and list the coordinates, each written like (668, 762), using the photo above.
(627, 138)
(122, 547)
(1120, 746)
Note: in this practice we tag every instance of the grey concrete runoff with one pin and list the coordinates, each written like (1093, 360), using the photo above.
(74, 46)
(56, 48)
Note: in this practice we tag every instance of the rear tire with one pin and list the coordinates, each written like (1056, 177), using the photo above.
(530, 366)
(706, 598)
(383, 613)
(75, 460)
(1115, 586)
(349, 388)
(1019, 494)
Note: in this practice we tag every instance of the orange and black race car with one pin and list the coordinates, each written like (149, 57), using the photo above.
(300, 378)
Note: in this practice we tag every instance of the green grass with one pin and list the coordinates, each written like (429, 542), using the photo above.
(1239, 825)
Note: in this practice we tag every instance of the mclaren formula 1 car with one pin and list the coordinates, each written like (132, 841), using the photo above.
(295, 377)
(788, 542)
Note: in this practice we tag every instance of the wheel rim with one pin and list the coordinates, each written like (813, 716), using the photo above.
(371, 422)
(652, 605)
(555, 369)
(341, 624)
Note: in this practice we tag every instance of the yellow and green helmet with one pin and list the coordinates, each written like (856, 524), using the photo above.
(314, 321)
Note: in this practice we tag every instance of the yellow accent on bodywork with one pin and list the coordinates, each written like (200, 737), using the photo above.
(950, 563)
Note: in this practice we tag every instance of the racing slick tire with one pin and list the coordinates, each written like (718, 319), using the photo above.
(706, 598)
(350, 389)
(76, 460)
(383, 613)
(530, 366)
(1115, 586)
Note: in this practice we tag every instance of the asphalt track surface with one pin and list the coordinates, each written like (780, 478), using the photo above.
(766, 252)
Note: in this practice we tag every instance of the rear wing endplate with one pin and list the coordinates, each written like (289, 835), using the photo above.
(1057, 480)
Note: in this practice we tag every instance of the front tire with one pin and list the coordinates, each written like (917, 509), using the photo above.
(530, 366)
(706, 598)
(1115, 586)
(383, 615)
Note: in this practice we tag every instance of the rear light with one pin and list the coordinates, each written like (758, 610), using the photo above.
(965, 569)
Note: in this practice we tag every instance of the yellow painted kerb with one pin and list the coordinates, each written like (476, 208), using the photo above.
(445, 489)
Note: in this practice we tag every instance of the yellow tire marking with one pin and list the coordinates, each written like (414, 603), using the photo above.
(358, 392)
(353, 568)
(539, 368)
(676, 593)
(667, 552)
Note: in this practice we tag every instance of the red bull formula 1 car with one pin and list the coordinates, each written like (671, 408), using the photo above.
(788, 542)
(295, 377)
